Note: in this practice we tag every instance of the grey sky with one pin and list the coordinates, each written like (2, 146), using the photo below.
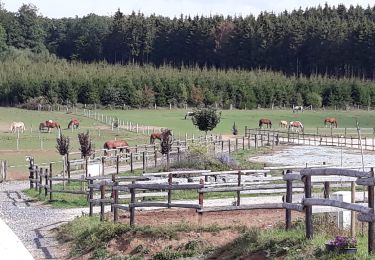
(71, 8)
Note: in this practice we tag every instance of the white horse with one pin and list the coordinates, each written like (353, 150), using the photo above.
(283, 124)
(189, 114)
(297, 108)
(296, 126)
(17, 126)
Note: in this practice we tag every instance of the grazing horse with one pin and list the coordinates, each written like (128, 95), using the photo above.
(116, 144)
(49, 125)
(283, 124)
(17, 126)
(297, 108)
(154, 136)
(189, 114)
(73, 123)
(331, 120)
(159, 135)
(265, 121)
(296, 125)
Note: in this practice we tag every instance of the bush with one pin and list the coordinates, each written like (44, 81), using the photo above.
(35, 103)
(206, 119)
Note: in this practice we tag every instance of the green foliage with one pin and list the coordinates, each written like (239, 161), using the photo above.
(3, 37)
(314, 99)
(206, 119)
(312, 48)
(234, 129)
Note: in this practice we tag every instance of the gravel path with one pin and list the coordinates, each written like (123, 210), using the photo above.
(33, 222)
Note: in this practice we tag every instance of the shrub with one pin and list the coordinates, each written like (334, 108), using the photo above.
(206, 119)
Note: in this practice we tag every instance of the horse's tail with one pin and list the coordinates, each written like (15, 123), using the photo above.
(151, 139)
(70, 124)
(260, 123)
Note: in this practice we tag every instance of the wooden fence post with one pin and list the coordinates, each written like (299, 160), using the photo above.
(243, 143)
(308, 209)
(102, 196)
(200, 201)
(115, 201)
(131, 206)
(50, 185)
(371, 225)
(45, 182)
(155, 156)
(170, 191)
(40, 181)
(35, 180)
(91, 196)
(239, 185)
(131, 162)
(229, 146)
(288, 199)
(143, 162)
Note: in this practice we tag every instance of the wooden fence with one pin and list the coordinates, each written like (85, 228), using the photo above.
(306, 183)
(289, 137)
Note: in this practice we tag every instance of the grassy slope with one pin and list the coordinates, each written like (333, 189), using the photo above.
(175, 118)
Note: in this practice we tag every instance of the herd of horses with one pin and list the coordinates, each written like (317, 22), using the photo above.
(296, 125)
(46, 125)
(122, 145)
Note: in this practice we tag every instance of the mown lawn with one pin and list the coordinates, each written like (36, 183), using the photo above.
(174, 119)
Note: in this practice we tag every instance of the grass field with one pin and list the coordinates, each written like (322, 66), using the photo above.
(43, 145)
(174, 119)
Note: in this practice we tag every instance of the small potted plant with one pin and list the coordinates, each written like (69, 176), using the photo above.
(234, 129)
(342, 244)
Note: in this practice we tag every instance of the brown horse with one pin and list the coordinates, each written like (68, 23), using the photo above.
(48, 124)
(73, 123)
(331, 120)
(296, 126)
(265, 121)
(116, 144)
(159, 135)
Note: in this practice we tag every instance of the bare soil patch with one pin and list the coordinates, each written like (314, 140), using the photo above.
(263, 219)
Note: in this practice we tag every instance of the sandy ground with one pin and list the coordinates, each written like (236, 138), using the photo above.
(300, 155)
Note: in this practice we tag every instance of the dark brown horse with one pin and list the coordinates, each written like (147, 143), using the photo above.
(49, 125)
(159, 135)
(73, 123)
(331, 120)
(265, 121)
(116, 144)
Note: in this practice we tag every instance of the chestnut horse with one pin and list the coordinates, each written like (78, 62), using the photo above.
(265, 121)
(159, 136)
(48, 124)
(296, 125)
(331, 120)
(116, 144)
(73, 123)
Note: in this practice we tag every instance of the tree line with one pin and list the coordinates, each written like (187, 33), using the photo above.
(326, 40)
(26, 76)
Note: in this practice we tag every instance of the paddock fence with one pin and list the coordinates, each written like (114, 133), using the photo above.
(301, 138)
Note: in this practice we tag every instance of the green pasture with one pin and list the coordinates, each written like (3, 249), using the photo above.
(42, 146)
(174, 119)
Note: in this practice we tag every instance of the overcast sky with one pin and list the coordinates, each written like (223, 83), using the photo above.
(171, 8)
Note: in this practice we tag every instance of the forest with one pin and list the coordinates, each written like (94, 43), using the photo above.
(320, 56)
